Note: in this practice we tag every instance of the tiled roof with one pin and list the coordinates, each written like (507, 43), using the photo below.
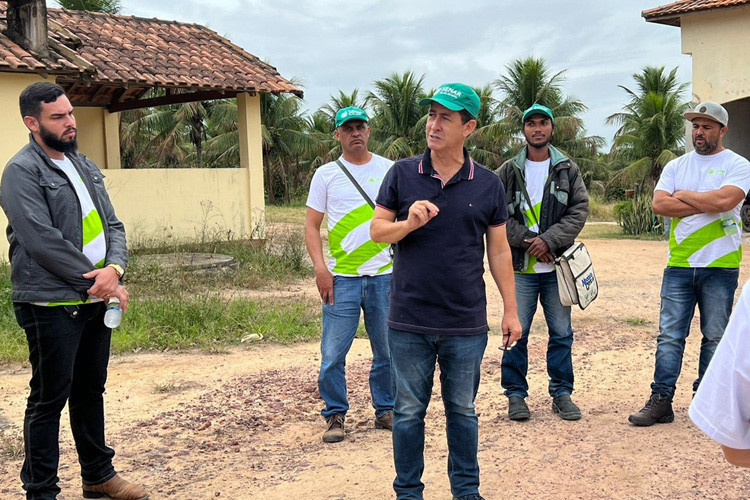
(98, 50)
(670, 13)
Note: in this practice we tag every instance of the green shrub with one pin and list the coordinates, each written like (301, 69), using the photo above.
(636, 217)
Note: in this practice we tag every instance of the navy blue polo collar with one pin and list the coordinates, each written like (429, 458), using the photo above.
(465, 173)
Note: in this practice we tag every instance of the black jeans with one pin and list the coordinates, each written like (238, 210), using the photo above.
(69, 353)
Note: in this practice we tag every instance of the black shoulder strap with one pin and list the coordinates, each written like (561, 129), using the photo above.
(521, 183)
(356, 184)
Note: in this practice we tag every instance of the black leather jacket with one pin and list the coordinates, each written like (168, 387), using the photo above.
(45, 229)
(565, 206)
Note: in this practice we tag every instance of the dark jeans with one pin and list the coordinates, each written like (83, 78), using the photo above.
(530, 289)
(413, 357)
(712, 289)
(68, 352)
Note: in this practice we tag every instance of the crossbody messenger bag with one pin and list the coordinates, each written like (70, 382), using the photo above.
(576, 281)
(361, 191)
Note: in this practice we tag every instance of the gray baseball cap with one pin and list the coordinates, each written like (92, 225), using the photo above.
(711, 110)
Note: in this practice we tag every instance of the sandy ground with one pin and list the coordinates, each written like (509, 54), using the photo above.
(246, 425)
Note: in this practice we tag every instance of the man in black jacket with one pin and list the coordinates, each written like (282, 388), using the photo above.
(67, 255)
(548, 205)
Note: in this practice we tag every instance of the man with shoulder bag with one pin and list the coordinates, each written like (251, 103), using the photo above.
(548, 206)
(357, 274)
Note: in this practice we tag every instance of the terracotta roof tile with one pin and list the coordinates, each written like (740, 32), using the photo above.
(670, 13)
(113, 49)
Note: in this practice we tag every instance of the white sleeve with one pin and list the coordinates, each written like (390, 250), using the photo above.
(666, 179)
(721, 407)
(317, 198)
(739, 174)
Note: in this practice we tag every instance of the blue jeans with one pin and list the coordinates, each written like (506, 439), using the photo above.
(515, 364)
(69, 354)
(340, 322)
(681, 288)
(413, 357)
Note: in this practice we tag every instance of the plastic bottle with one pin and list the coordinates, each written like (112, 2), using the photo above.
(728, 223)
(113, 315)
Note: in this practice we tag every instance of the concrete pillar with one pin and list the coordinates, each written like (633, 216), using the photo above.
(112, 139)
(251, 158)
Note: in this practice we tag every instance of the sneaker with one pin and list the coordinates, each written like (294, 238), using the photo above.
(470, 497)
(657, 410)
(115, 488)
(384, 421)
(335, 431)
(517, 409)
(566, 408)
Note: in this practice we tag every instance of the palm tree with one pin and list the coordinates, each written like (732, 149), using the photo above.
(397, 124)
(490, 142)
(651, 126)
(106, 6)
(528, 82)
(165, 136)
(285, 141)
(340, 101)
(223, 146)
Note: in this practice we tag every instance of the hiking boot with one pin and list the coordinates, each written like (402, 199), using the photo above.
(384, 421)
(335, 431)
(658, 409)
(470, 497)
(517, 409)
(116, 488)
(566, 408)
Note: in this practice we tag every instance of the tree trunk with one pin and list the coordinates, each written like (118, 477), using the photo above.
(269, 182)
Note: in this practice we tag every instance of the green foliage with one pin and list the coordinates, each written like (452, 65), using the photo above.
(651, 129)
(398, 120)
(529, 81)
(637, 321)
(636, 217)
(206, 320)
(106, 6)
(178, 309)
(296, 142)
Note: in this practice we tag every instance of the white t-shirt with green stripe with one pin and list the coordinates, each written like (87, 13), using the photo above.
(351, 251)
(94, 242)
(535, 173)
(701, 240)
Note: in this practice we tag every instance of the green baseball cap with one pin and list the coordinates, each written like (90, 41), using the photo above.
(351, 113)
(455, 96)
(538, 109)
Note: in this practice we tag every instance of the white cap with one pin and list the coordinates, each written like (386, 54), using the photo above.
(711, 110)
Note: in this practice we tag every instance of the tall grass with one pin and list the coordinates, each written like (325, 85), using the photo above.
(600, 209)
(173, 308)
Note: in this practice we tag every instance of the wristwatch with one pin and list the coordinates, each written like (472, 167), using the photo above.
(118, 269)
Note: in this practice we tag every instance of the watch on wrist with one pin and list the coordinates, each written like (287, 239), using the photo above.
(118, 269)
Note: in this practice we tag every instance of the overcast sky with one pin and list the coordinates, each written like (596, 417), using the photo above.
(330, 45)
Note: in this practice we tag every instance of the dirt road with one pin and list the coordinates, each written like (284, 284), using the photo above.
(245, 425)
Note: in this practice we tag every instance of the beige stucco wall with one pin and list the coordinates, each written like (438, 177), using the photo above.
(158, 205)
(719, 41)
(14, 132)
(180, 204)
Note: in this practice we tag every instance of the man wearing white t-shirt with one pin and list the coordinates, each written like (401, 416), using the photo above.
(721, 407)
(703, 192)
(548, 205)
(357, 274)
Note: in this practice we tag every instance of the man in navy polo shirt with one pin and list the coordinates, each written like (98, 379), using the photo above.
(438, 208)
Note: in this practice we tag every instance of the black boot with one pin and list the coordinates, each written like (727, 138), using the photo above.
(517, 409)
(658, 409)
